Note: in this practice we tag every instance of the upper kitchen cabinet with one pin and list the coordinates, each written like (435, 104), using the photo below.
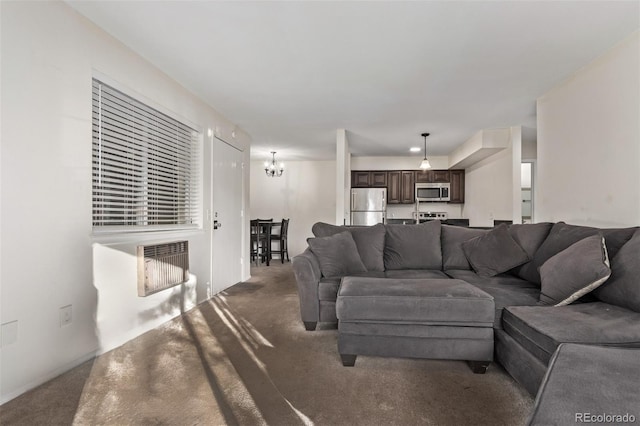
(378, 179)
(433, 176)
(368, 179)
(457, 186)
(360, 179)
(401, 187)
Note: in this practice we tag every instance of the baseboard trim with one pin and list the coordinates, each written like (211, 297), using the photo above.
(45, 378)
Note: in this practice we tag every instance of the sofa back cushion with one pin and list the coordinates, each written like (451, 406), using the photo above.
(623, 287)
(562, 236)
(453, 257)
(413, 246)
(337, 255)
(530, 237)
(369, 241)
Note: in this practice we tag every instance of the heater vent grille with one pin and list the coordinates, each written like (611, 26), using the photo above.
(162, 266)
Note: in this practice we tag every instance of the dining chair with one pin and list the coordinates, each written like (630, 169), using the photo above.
(258, 241)
(260, 250)
(281, 238)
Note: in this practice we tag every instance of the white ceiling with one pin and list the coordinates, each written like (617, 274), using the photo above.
(291, 73)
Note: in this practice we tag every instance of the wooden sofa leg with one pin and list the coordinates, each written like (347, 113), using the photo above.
(479, 367)
(310, 325)
(348, 360)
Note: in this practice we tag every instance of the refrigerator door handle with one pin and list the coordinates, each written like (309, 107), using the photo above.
(353, 199)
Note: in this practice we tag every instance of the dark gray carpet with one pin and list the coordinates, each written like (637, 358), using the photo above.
(244, 358)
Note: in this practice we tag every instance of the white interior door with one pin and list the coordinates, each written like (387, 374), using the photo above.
(227, 234)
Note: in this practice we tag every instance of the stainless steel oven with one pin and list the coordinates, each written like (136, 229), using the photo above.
(433, 192)
(421, 217)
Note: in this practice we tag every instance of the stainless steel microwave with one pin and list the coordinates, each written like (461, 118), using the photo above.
(433, 192)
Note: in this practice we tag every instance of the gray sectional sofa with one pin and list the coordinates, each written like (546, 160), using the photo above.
(551, 283)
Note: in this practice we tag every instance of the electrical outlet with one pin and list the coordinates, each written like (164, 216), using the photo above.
(65, 315)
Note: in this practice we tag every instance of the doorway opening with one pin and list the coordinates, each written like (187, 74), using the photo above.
(527, 183)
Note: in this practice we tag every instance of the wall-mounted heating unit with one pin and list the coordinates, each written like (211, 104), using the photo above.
(162, 266)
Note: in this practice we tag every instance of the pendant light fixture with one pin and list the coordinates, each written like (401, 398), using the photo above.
(425, 165)
(273, 169)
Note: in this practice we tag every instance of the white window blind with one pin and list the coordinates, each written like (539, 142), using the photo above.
(145, 166)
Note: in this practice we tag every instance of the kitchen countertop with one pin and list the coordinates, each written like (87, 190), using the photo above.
(410, 221)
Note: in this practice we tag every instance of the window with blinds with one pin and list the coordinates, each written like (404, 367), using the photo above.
(145, 166)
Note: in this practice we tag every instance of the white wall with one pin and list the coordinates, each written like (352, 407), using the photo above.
(49, 54)
(529, 143)
(305, 193)
(589, 143)
(492, 186)
(397, 163)
(343, 178)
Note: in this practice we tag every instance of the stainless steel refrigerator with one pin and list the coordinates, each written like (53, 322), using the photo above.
(368, 206)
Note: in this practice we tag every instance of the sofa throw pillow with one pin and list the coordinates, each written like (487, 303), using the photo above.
(575, 271)
(494, 252)
(413, 246)
(337, 254)
(453, 257)
(623, 287)
(369, 240)
(563, 235)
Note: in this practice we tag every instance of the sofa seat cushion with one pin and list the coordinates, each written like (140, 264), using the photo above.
(570, 387)
(506, 290)
(540, 329)
(405, 301)
(415, 273)
(328, 287)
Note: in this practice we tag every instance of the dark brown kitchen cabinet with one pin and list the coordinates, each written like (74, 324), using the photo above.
(368, 179)
(393, 187)
(400, 187)
(457, 186)
(360, 179)
(433, 176)
(407, 183)
(400, 184)
(378, 179)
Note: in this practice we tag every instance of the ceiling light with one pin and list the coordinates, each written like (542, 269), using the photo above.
(272, 169)
(414, 149)
(425, 165)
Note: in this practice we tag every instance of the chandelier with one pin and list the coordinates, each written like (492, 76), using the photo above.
(272, 169)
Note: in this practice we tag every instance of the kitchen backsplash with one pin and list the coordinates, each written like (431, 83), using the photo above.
(405, 211)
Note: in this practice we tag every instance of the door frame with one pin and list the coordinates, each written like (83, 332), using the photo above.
(533, 163)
